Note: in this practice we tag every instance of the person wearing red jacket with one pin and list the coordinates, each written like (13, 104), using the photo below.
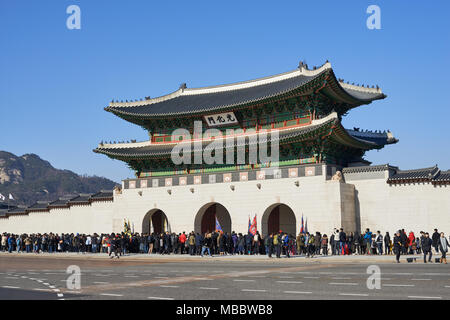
(182, 240)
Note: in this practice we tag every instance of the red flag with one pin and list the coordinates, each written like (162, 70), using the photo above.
(253, 227)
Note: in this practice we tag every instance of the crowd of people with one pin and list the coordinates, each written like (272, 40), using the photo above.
(220, 243)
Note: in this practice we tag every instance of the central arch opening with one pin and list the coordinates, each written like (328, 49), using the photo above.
(279, 217)
(155, 221)
(205, 220)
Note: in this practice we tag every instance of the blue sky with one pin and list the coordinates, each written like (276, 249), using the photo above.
(55, 82)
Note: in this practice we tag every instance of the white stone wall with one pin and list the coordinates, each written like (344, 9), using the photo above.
(413, 207)
(317, 199)
(365, 200)
(77, 219)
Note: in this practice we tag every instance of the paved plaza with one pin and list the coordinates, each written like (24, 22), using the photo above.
(143, 277)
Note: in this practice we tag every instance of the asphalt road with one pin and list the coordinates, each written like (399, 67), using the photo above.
(31, 277)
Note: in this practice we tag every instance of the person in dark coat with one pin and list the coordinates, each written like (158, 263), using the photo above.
(332, 245)
(435, 238)
(270, 245)
(397, 243)
(426, 247)
(387, 240)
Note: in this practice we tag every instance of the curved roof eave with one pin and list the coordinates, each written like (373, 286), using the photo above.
(186, 101)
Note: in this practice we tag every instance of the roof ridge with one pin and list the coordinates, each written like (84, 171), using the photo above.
(421, 169)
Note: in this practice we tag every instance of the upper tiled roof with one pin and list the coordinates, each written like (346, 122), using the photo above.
(208, 99)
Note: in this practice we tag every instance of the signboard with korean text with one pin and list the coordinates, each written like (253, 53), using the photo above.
(220, 119)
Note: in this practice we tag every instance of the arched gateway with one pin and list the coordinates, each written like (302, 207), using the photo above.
(278, 217)
(205, 220)
(155, 221)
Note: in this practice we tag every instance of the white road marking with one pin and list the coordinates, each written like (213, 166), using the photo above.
(340, 278)
(253, 290)
(15, 278)
(39, 289)
(206, 288)
(284, 277)
(284, 281)
(99, 282)
(343, 283)
(354, 294)
(423, 297)
(10, 287)
(311, 277)
(169, 286)
(161, 277)
(257, 276)
(398, 285)
(243, 280)
(420, 279)
(447, 286)
(131, 276)
(160, 298)
(299, 292)
(111, 294)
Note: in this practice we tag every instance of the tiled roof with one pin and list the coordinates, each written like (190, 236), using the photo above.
(85, 198)
(381, 167)
(199, 100)
(380, 138)
(416, 174)
(164, 149)
(432, 174)
(18, 210)
(82, 198)
(102, 195)
(39, 206)
(62, 202)
(443, 177)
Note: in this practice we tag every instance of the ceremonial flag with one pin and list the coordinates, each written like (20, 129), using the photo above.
(2, 197)
(302, 227)
(253, 227)
(306, 225)
(218, 227)
(249, 223)
(11, 197)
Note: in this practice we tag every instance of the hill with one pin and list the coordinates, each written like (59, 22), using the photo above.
(29, 178)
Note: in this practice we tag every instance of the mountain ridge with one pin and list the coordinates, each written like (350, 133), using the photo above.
(30, 178)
